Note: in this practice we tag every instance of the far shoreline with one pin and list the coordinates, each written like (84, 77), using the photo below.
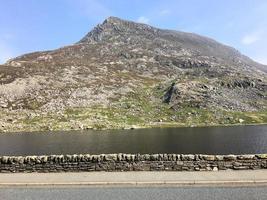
(159, 125)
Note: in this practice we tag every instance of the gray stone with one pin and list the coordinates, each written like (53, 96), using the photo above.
(119, 157)
(5, 159)
(146, 156)
(14, 159)
(154, 157)
(173, 156)
(188, 157)
(197, 169)
(179, 162)
(38, 160)
(137, 157)
(74, 158)
(208, 168)
(246, 157)
(52, 158)
(44, 159)
(61, 158)
(128, 157)
(79, 157)
(178, 157)
(67, 157)
(208, 157)
(167, 157)
(87, 157)
(219, 157)
(20, 160)
(240, 167)
(230, 157)
(215, 169)
(237, 164)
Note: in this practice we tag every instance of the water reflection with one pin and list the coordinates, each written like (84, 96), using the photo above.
(206, 140)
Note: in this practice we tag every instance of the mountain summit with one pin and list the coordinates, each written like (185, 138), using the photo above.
(124, 74)
(116, 26)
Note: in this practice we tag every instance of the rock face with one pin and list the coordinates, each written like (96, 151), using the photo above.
(122, 66)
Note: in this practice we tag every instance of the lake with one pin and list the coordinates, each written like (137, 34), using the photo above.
(203, 140)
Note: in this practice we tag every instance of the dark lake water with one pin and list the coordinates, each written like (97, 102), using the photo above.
(206, 140)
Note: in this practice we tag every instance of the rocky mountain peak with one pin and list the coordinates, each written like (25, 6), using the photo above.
(109, 25)
(113, 20)
(114, 26)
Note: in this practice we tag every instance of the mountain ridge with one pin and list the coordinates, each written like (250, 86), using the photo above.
(113, 21)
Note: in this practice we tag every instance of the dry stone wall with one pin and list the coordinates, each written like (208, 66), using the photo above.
(131, 162)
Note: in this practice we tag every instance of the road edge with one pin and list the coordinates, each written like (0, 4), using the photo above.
(197, 183)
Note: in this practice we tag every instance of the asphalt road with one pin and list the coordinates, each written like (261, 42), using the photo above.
(132, 193)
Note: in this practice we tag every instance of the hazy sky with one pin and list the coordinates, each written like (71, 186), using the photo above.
(31, 25)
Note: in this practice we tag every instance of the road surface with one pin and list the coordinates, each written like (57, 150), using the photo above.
(221, 185)
(134, 193)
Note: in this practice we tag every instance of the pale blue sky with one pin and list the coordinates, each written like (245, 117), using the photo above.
(32, 25)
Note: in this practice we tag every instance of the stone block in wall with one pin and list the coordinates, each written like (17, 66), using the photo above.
(246, 157)
(110, 157)
(4, 159)
(230, 157)
(154, 157)
(119, 157)
(207, 157)
(240, 167)
(188, 157)
(237, 164)
(156, 166)
(219, 157)
(168, 166)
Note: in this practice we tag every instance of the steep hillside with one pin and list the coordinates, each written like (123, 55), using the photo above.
(124, 74)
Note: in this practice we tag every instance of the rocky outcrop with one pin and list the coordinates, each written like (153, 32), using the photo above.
(229, 94)
(131, 162)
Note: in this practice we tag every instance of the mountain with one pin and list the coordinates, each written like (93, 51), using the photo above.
(124, 74)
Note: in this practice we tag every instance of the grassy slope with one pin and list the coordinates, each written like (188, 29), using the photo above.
(138, 109)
